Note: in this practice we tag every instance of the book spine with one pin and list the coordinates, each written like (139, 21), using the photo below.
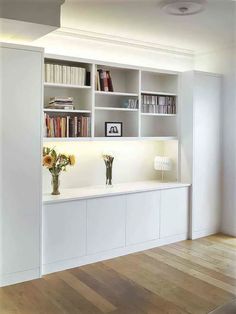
(64, 75)
(100, 72)
(110, 84)
(68, 75)
(104, 75)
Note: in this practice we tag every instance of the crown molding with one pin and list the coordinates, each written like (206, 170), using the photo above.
(122, 41)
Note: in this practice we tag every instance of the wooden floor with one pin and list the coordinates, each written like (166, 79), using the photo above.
(188, 277)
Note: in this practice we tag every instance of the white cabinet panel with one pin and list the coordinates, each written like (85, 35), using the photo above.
(174, 212)
(20, 173)
(142, 218)
(64, 231)
(105, 223)
(207, 153)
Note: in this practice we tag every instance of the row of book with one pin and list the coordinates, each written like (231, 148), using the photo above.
(104, 81)
(158, 104)
(61, 103)
(64, 74)
(56, 126)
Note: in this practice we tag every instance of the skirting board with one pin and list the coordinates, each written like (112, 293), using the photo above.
(204, 233)
(14, 278)
(229, 230)
(101, 256)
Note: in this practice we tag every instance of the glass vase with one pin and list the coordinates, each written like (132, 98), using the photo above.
(55, 184)
(109, 175)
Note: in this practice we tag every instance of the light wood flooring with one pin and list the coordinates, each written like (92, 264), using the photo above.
(187, 277)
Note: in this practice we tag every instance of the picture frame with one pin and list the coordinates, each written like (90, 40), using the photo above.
(113, 129)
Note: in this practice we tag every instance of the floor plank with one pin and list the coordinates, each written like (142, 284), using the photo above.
(189, 277)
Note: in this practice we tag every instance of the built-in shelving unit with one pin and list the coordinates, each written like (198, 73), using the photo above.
(145, 101)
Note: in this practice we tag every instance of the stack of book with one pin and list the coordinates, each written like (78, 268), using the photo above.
(63, 74)
(61, 103)
(104, 81)
(78, 126)
(158, 104)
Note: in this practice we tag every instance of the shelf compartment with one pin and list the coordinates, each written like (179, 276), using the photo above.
(125, 81)
(82, 97)
(70, 74)
(119, 101)
(154, 83)
(159, 126)
(128, 118)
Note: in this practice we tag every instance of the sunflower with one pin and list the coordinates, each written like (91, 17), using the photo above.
(48, 161)
(72, 160)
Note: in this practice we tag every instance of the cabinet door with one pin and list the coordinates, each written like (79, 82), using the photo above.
(207, 174)
(64, 231)
(105, 223)
(142, 220)
(174, 212)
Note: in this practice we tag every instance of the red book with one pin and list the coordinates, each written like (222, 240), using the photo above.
(105, 80)
(110, 85)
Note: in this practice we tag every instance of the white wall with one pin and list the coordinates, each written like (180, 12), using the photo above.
(134, 161)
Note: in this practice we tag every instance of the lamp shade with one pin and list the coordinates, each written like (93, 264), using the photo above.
(162, 163)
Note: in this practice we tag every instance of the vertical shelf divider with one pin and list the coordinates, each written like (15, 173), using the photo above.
(93, 88)
(140, 104)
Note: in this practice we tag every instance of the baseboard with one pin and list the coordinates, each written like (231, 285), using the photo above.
(204, 233)
(14, 278)
(229, 230)
(102, 256)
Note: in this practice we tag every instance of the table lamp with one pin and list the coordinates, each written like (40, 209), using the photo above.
(162, 164)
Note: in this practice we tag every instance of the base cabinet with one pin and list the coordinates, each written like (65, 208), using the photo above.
(105, 224)
(174, 212)
(142, 217)
(64, 231)
(84, 231)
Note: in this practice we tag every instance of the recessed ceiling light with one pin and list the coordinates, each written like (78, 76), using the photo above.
(183, 7)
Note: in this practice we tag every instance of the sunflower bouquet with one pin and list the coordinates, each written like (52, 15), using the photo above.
(55, 163)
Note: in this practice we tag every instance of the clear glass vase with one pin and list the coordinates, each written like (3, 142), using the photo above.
(55, 184)
(109, 175)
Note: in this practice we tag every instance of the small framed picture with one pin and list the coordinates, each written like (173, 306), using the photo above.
(113, 129)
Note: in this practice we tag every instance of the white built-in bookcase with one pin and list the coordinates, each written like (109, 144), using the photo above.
(129, 83)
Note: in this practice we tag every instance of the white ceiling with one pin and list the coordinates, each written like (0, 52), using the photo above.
(144, 21)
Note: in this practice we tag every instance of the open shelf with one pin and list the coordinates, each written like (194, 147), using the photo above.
(154, 83)
(115, 109)
(66, 111)
(66, 85)
(129, 121)
(124, 81)
(158, 126)
(116, 94)
(159, 93)
(158, 114)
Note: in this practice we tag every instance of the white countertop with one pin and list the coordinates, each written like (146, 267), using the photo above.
(101, 190)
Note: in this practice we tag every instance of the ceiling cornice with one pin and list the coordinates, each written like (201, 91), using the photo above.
(122, 41)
